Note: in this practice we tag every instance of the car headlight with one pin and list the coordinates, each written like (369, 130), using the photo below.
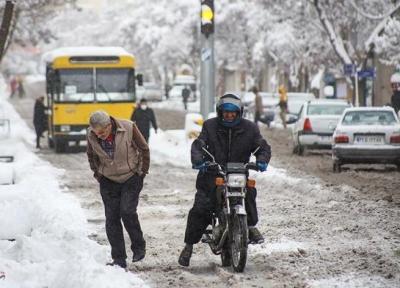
(65, 128)
(236, 180)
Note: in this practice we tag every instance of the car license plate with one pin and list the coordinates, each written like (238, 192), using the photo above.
(369, 140)
(326, 139)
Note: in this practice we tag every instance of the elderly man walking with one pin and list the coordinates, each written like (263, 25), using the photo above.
(119, 157)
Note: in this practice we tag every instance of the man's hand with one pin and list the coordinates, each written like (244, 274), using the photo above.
(97, 176)
(201, 166)
(262, 166)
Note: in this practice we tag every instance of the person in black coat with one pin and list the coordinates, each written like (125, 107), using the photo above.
(39, 119)
(229, 138)
(143, 116)
(395, 99)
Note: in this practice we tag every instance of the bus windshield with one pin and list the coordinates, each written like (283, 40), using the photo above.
(114, 85)
(76, 85)
(90, 85)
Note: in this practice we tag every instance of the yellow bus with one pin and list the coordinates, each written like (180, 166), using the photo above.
(80, 80)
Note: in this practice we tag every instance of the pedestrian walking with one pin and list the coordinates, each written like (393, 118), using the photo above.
(143, 116)
(20, 85)
(283, 104)
(185, 96)
(119, 158)
(39, 119)
(167, 89)
(395, 84)
(258, 105)
(13, 86)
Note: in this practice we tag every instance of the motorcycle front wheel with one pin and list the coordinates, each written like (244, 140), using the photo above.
(238, 242)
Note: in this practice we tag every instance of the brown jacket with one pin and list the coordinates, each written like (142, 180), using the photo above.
(131, 155)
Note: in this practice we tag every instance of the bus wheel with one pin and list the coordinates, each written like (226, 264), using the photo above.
(50, 142)
(60, 146)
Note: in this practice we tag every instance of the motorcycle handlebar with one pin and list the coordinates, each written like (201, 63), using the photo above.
(252, 166)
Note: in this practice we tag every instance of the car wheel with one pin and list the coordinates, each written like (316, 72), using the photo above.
(337, 168)
(300, 150)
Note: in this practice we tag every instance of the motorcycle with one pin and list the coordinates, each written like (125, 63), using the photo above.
(229, 234)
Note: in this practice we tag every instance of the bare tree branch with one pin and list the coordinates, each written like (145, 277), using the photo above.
(336, 40)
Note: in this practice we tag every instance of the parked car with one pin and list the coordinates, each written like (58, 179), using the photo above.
(269, 101)
(367, 135)
(149, 91)
(316, 123)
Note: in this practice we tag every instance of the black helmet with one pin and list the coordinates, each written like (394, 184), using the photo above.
(229, 102)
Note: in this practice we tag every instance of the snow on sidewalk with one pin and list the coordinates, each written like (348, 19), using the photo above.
(43, 235)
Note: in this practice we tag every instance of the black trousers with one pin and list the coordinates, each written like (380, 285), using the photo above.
(205, 204)
(121, 201)
(39, 132)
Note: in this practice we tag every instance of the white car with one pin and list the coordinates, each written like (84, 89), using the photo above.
(316, 123)
(367, 135)
(149, 91)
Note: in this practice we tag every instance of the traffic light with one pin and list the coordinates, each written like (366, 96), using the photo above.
(207, 17)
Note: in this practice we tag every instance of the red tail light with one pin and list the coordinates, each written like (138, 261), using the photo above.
(395, 139)
(307, 125)
(342, 139)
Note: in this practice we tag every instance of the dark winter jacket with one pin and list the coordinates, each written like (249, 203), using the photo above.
(143, 118)
(39, 116)
(185, 94)
(396, 101)
(230, 144)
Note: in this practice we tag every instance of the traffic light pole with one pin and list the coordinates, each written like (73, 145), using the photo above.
(207, 76)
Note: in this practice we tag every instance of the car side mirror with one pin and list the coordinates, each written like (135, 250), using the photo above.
(139, 78)
(292, 119)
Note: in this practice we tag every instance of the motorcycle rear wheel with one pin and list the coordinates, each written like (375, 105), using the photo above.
(238, 242)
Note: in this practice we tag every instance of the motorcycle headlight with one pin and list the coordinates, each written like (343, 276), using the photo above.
(236, 180)
(65, 128)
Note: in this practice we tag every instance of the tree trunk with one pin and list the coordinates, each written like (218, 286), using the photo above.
(5, 26)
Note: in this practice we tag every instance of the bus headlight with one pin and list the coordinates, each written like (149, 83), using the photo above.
(236, 180)
(65, 128)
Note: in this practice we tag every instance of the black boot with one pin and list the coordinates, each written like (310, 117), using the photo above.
(255, 236)
(138, 255)
(118, 262)
(184, 258)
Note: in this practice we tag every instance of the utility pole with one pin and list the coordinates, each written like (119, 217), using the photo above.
(207, 75)
(5, 25)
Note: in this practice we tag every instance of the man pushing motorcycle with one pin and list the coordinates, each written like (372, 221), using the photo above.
(230, 138)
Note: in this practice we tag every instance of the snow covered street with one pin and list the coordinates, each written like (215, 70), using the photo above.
(318, 233)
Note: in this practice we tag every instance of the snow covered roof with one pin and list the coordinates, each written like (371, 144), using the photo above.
(380, 108)
(85, 51)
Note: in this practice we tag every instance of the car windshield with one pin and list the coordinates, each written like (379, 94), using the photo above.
(325, 109)
(369, 118)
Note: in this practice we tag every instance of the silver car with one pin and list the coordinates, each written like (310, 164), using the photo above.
(367, 135)
(149, 91)
(316, 123)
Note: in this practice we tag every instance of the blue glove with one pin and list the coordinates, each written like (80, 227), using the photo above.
(262, 166)
(201, 166)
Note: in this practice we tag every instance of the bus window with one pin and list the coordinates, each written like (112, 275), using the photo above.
(75, 85)
(114, 85)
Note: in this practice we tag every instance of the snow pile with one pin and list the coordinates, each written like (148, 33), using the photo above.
(43, 240)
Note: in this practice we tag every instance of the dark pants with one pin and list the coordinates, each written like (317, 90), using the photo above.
(120, 201)
(205, 204)
(39, 132)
